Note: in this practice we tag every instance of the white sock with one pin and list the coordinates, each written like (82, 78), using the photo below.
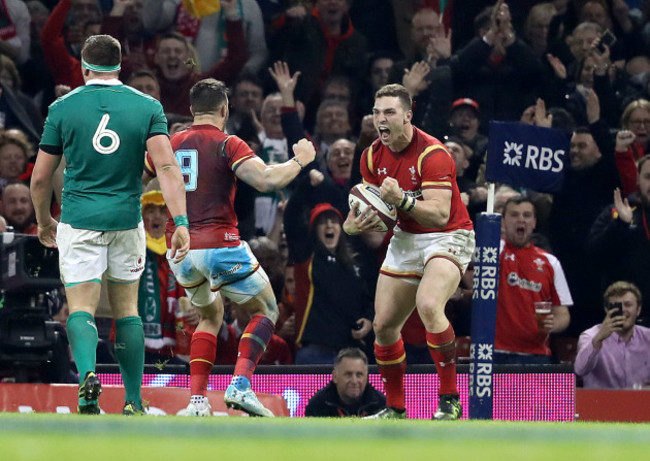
(198, 399)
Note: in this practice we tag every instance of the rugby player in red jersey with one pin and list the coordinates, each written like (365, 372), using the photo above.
(432, 246)
(218, 261)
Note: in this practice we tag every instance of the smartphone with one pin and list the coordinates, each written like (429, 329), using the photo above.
(608, 38)
(617, 306)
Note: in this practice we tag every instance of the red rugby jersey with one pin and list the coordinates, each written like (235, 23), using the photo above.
(424, 164)
(209, 172)
(526, 275)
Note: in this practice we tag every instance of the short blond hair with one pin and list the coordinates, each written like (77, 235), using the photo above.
(620, 288)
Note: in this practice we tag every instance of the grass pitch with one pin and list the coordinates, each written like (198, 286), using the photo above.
(39, 436)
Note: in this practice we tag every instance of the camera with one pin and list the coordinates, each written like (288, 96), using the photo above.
(618, 306)
(32, 345)
(26, 266)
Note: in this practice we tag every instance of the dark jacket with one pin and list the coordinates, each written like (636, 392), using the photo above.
(326, 402)
(623, 248)
(331, 290)
(304, 45)
(583, 196)
(504, 89)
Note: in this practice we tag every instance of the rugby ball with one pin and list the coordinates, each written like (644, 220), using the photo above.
(370, 196)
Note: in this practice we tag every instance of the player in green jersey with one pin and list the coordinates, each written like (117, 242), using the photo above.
(102, 130)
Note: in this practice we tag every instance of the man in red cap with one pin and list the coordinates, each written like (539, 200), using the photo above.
(464, 123)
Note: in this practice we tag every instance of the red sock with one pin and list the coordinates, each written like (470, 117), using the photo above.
(391, 361)
(203, 350)
(252, 345)
(442, 347)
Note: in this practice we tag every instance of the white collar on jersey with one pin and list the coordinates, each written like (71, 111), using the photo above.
(102, 81)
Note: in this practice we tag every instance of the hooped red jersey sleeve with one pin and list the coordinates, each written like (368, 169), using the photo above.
(437, 168)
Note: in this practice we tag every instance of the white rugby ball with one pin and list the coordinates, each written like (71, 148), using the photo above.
(369, 196)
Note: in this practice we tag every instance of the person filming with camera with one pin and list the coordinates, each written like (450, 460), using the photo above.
(614, 354)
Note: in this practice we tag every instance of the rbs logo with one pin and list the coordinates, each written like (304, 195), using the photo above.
(536, 158)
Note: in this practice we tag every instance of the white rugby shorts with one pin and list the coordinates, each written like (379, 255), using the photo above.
(84, 255)
(408, 253)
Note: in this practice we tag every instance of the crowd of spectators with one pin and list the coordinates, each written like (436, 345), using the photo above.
(312, 67)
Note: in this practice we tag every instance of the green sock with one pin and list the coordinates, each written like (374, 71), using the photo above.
(129, 349)
(83, 339)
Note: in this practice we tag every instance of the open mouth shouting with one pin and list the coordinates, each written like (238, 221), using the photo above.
(157, 227)
(520, 231)
(343, 164)
(330, 239)
(174, 69)
(384, 134)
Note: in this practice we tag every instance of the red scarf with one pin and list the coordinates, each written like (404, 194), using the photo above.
(333, 42)
(7, 27)
(186, 24)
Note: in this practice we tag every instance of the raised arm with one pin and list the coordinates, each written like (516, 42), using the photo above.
(267, 178)
(56, 54)
(229, 67)
(285, 81)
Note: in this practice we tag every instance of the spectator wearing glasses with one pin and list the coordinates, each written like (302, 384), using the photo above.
(632, 142)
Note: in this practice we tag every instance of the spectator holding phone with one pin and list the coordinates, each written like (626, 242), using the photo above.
(614, 354)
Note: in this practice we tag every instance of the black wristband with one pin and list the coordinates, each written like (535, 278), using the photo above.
(411, 204)
(404, 200)
(302, 167)
(408, 203)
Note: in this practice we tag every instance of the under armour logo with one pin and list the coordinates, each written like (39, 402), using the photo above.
(510, 256)
(382, 171)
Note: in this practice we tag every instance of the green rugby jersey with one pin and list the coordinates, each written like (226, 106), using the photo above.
(102, 129)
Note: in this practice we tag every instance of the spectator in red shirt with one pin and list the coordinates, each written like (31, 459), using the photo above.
(62, 64)
(527, 274)
(176, 68)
